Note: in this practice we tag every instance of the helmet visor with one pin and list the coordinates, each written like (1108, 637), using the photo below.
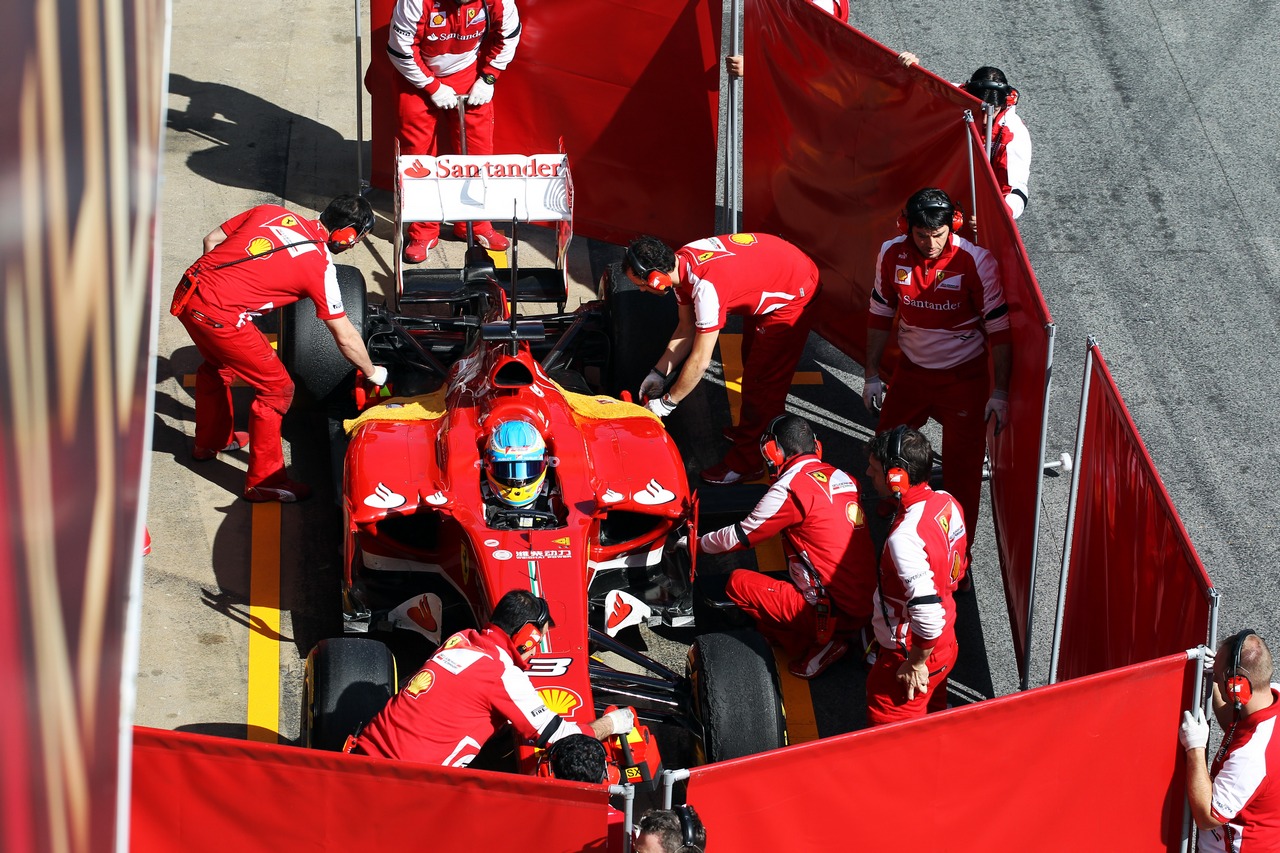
(517, 473)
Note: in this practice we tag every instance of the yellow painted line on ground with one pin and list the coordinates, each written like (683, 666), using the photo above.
(499, 259)
(802, 724)
(264, 623)
(731, 361)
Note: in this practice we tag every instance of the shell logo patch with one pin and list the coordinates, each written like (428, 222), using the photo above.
(289, 222)
(853, 512)
(955, 568)
(902, 275)
(260, 246)
(420, 683)
(742, 239)
(560, 700)
(437, 19)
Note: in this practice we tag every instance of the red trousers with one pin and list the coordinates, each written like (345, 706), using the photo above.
(244, 352)
(956, 398)
(780, 612)
(427, 129)
(887, 697)
(771, 349)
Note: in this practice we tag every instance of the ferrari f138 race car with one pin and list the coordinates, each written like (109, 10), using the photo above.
(436, 526)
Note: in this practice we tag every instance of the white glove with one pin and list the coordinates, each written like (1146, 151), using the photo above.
(873, 394)
(1208, 660)
(622, 719)
(652, 386)
(998, 405)
(481, 93)
(661, 406)
(379, 375)
(445, 98)
(1194, 732)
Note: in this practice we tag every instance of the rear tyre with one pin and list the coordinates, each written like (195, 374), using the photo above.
(306, 346)
(639, 324)
(736, 696)
(349, 680)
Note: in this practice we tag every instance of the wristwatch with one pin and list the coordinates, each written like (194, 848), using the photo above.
(488, 78)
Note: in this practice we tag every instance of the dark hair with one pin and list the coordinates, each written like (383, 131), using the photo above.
(1255, 661)
(666, 826)
(989, 84)
(348, 211)
(518, 608)
(652, 254)
(929, 208)
(794, 436)
(578, 758)
(916, 452)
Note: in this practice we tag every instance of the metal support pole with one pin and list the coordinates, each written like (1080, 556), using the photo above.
(628, 794)
(1199, 698)
(732, 151)
(973, 184)
(990, 110)
(361, 184)
(669, 780)
(1035, 529)
(1071, 511)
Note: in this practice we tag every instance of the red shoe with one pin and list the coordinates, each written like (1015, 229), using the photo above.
(723, 475)
(485, 235)
(815, 661)
(239, 441)
(417, 251)
(285, 491)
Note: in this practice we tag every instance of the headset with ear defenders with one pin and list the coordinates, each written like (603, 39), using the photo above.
(1006, 95)
(895, 466)
(688, 831)
(771, 448)
(530, 634)
(1239, 688)
(657, 279)
(957, 215)
(354, 233)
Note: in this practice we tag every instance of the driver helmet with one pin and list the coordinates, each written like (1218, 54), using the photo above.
(515, 462)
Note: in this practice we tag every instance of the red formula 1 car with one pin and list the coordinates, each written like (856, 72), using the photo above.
(429, 546)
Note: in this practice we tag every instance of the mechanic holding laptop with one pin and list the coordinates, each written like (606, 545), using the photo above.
(477, 679)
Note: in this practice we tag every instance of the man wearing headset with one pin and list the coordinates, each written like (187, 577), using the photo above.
(946, 294)
(913, 611)
(253, 264)
(475, 681)
(677, 830)
(1235, 803)
(443, 50)
(1010, 147)
(814, 506)
(767, 281)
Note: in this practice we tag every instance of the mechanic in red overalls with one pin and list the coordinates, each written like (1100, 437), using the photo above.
(768, 281)
(814, 506)
(913, 609)
(470, 687)
(946, 294)
(443, 49)
(252, 264)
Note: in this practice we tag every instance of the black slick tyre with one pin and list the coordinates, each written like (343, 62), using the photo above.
(307, 348)
(736, 695)
(348, 681)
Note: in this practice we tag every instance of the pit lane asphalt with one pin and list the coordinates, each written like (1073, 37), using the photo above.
(1150, 226)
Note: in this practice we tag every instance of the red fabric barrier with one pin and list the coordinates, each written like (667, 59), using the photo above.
(837, 134)
(195, 793)
(1087, 765)
(1136, 588)
(633, 89)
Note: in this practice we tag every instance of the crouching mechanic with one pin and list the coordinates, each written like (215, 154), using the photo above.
(913, 610)
(252, 264)
(768, 281)
(1234, 803)
(477, 680)
(815, 508)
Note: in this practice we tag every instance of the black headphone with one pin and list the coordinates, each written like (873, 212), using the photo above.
(895, 473)
(1006, 95)
(687, 829)
(655, 278)
(912, 210)
(771, 449)
(351, 234)
(1239, 688)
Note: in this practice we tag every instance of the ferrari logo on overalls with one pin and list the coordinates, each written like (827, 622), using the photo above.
(706, 256)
